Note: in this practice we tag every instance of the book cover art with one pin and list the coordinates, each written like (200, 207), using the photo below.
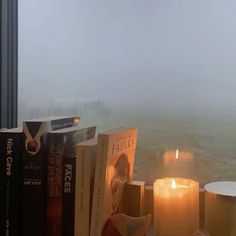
(61, 178)
(11, 177)
(35, 170)
(114, 167)
(85, 165)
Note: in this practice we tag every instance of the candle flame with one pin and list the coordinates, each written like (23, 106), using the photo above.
(173, 184)
(177, 154)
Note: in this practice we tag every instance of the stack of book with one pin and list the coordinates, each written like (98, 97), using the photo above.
(58, 178)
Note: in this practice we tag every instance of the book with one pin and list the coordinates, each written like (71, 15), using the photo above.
(69, 173)
(135, 198)
(54, 183)
(35, 170)
(114, 167)
(10, 181)
(85, 166)
(61, 178)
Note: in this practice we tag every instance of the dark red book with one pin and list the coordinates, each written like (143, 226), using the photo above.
(54, 190)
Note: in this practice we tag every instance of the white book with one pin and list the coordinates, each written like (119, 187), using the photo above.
(85, 166)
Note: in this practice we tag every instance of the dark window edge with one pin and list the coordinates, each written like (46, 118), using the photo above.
(9, 65)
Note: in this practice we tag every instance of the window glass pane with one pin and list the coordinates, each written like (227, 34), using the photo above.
(166, 67)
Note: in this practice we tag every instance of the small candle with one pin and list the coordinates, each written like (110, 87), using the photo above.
(178, 163)
(176, 207)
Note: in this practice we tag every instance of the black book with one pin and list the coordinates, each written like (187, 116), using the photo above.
(35, 171)
(10, 181)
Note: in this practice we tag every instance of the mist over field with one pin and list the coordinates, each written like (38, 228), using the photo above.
(167, 67)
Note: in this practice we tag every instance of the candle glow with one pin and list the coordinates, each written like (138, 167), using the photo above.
(173, 184)
(178, 163)
(177, 154)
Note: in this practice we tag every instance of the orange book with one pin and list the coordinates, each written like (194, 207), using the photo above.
(114, 168)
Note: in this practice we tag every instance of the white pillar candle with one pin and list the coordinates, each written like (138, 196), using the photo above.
(220, 208)
(176, 207)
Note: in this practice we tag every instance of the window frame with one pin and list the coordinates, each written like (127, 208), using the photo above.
(9, 63)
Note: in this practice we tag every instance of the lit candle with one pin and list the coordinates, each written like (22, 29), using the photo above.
(176, 207)
(178, 163)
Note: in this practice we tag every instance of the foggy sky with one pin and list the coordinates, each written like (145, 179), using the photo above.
(172, 53)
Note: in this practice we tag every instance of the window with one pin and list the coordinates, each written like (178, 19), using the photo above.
(8, 69)
(166, 67)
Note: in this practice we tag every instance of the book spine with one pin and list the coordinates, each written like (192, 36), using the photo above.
(2, 184)
(69, 173)
(14, 185)
(65, 123)
(54, 184)
(68, 199)
(11, 190)
(135, 194)
(99, 186)
(80, 218)
(90, 179)
(34, 191)
(83, 190)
